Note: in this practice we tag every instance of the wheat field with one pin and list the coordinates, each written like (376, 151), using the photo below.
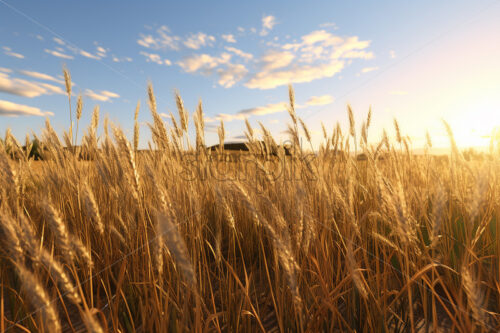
(178, 238)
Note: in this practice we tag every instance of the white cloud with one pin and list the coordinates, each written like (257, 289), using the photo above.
(230, 75)
(51, 89)
(229, 38)
(59, 54)
(240, 53)
(126, 59)
(392, 54)
(319, 54)
(26, 88)
(276, 59)
(109, 94)
(59, 41)
(320, 100)
(156, 58)
(39, 37)
(103, 96)
(41, 76)
(268, 22)
(101, 51)
(8, 51)
(10, 109)
(241, 30)
(225, 117)
(162, 40)
(369, 69)
(296, 74)
(329, 25)
(264, 110)
(195, 41)
(89, 55)
(203, 62)
(246, 113)
(5, 70)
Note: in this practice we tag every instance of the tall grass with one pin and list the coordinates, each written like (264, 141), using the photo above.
(185, 239)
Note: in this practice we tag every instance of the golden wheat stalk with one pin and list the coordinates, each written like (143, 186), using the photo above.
(177, 247)
(40, 299)
(92, 209)
(67, 82)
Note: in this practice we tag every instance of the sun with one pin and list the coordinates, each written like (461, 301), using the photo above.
(475, 126)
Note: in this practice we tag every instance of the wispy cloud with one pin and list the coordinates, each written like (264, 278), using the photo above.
(275, 60)
(320, 100)
(392, 54)
(10, 109)
(228, 73)
(51, 89)
(268, 22)
(26, 88)
(89, 55)
(59, 41)
(264, 110)
(319, 54)
(59, 54)
(270, 108)
(224, 117)
(229, 38)
(231, 74)
(369, 69)
(240, 53)
(41, 76)
(163, 39)
(5, 70)
(329, 25)
(203, 62)
(101, 51)
(296, 74)
(195, 41)
(156, 58)
(8, 51)
(102, 96)
(117, 59)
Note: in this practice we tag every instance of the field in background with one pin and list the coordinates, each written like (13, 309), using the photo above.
(179, 239)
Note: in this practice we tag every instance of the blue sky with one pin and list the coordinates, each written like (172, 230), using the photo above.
(416, 61)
